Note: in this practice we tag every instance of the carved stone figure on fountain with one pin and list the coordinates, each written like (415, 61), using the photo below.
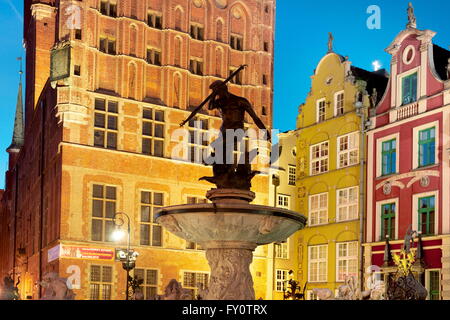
(8, 290)
(55, 288)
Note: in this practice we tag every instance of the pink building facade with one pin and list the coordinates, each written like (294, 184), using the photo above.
(408, 167)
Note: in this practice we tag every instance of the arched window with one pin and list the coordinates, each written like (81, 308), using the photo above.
(178, 19)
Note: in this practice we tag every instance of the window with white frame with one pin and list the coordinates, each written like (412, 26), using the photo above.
(348, 150)
(283, 201)
(281, 250)
(339, 103)
(281, 277)
(319, 158)
(317, 263)
(292, 175)
(318, 209)
(321, 110)
(346, 260)
(347, 204)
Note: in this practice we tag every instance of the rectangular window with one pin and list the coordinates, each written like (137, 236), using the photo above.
(409, 89)
(339, 104)
(319, 158)
(427, 215)
(100, 284)
(283, 201)
(154, 20)
(347, 260)
(192, 281)
(434, 285)
(321, 110)
(236, 42)
(78, 34)
(198, 139)
(153, 131)
(149, 284)
(281, 278)
(281, 250)
(107, 45)
(77, 70)
(151, 232)
(348, 150)
(388, 221)
(196, 67)
(347, 204)
(104, 202)
(318, 209)
(317, 263)
(197, 32)
(389, 157)
(266, 46)
(292, 175)
(108, 8)
(427, 147)
(105, 124)
(154, 57)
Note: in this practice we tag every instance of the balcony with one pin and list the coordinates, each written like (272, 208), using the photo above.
(407, 111)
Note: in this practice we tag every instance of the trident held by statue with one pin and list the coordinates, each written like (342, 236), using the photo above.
(242, 67)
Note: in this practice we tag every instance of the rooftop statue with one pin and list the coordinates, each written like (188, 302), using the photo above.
(412, 23)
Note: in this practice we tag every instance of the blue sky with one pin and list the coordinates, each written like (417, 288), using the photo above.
(301, 40)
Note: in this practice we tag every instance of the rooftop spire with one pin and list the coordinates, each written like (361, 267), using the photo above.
(18, 133)
(412, 23)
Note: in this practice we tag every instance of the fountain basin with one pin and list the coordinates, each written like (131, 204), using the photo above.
(230, 229)
(212, 223)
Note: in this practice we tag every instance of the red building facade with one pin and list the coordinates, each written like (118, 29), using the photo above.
(408, 173)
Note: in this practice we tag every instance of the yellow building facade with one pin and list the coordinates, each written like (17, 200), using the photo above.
(329, 182)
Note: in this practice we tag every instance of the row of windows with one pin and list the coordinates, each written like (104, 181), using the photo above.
(106, 130)
(346, 264)
(196, 65)
(155, 20)
(322, 107)
(426, 151)
(408, 95)
(346, 206)
(101, 282)
(104, 204)
(425, 214)
(347, 153)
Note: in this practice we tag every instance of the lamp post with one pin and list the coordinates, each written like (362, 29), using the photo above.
(127, 257)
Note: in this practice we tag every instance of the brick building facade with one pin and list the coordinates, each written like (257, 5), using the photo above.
(98, 139)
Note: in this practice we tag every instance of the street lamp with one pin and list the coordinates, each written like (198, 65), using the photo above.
(127, 257)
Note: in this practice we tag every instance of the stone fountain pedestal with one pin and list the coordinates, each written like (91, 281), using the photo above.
(230, 229)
